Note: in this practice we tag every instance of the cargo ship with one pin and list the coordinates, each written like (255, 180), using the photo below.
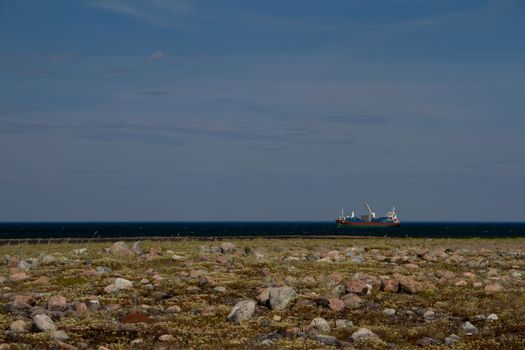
(368, 220)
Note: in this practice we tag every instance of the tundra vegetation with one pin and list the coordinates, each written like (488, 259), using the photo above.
(265, 293)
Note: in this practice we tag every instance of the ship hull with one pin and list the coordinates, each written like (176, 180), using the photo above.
(366, 224)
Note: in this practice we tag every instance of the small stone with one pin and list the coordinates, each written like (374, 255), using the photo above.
(493, 288)
(102, 270)
(320, 325)
(136, 248)
(120, 248)
(111, 288)
(445, 274)
(356, 287)
(276, 318)
(44, 323)
(80, 251)
(409, 285)
(18, 326)
(42, 280)
(193, 289)
(343, 324)
(176, 257)
(363, 333)
(81, 309)
(65, 346)
(451, 339)
(122, 283)
(166, 338)
(279, 298)
(469, 274)
(56, 303)
(21, 300)
(469, 329)
(59, 335)
(173, 309)
(492, 317)
(336, 304)
(220, 290)
(391, 286)
(389, 312)
(266, 342)
(263, 296)
(426, 341)
(339, 290)
(429, 315)
(326, 339)
(335, 277)
(18, 277)
(411, 266)
(227, 247)
(352, 301)
(210, 310)
(477, 284)
(93, 304)
(242, 311)
(12, 261)
(207, 281)
(49, 259)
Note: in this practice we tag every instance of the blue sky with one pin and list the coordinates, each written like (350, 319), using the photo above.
(261, 110)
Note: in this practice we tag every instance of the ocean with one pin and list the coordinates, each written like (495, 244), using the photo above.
(24, 230)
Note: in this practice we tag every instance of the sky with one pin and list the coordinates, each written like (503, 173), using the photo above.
(210, 110)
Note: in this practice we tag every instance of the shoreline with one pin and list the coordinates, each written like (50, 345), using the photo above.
(75, 240)
(88, 240)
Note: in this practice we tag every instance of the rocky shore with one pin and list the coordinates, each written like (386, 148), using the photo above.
(265, 293)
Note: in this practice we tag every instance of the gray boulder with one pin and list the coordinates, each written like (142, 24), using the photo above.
(44, 323)
(451, 339)
(343, 324)
(122, 283)
(326, 340)
(136, 248)
(227, 247)
(280, 297)
(242, 311)
(320, 325)
(363, 333)
(468, 328)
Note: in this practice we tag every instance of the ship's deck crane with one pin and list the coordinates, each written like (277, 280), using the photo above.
(372, 213)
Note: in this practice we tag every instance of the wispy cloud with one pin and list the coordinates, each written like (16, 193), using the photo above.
(158, 55)
(58, 58)
(128, 9)
(357, 119)
(164, 13)
(172, 134)
(142, 137)
(118, 71)
(156, 93)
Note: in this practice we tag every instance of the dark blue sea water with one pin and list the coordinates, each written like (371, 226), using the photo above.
(213, 229)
